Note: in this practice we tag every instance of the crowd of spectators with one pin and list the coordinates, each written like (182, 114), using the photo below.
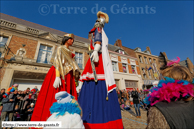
(17, 105)
(132, 98)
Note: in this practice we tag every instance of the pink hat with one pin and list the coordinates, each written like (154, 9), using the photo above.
(15, 85)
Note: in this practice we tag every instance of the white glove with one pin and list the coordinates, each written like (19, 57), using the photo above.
(94, 55)
(57, 82)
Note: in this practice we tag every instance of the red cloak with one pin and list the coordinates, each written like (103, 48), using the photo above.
(46, 96)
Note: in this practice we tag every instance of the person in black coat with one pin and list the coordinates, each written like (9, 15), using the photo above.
(135, 96)
(1, 94)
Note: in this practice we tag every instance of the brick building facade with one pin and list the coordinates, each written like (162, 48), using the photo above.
(131, 76)
(26, 49)
(149, 66)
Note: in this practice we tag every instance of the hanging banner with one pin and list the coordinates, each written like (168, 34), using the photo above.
(155, 75)
(114, 57)
(132, 62)
(124, 60)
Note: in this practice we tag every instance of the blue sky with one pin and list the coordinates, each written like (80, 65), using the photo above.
(161, 25)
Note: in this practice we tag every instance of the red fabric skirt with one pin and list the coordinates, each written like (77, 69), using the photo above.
(47, 93)
(87, 74)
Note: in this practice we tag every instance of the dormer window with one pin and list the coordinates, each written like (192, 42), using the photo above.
(121, 52)
(147, 52)
(139, 49)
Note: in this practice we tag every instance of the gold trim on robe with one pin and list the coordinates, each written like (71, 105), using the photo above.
(62, 61)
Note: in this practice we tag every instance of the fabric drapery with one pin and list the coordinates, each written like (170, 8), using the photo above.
(63, 61)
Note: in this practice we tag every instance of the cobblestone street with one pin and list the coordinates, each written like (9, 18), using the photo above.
(131, 122)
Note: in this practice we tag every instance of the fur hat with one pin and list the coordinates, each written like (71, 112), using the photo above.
(104, 14)
(63, 97)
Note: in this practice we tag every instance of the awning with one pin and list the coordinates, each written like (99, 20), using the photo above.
(150, 82)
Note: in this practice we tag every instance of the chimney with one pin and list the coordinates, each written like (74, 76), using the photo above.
(165, 55)
(118, 43)
(148, 49)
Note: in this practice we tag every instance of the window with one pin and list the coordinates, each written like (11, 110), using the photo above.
(154, 60)
(79, 59)
(131, 84)
(140, 59)
(139, 49)
(121, 52)
(44, 54)
(149, 73)
(144, 73)
(154, 74)
(143, 70)
(150, 60)
(3, 41)
(114, 66)
(124, 68)
(133, 69)
(147, 52)
(145, 59)
(117, 83)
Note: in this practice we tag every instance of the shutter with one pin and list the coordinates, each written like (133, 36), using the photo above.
(130, 69)
(120, 67)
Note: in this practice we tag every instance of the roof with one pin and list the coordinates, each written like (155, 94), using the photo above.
(112, 47)
(37, 26)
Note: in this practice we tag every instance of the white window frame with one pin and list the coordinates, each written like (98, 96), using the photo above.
(134, 68)
(126, 67)
(45, 57)
(139, 49)
(7, 43)
(150, 60)
(116, 66)
(145, 59)
(4, 37)
(121, 52)
(149, 74)
(154, 60)
(140, 59)
(144, 73)
(42, 42)
(82, 59)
